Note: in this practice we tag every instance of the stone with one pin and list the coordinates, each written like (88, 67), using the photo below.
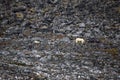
(19, 15)
(19, 9)
(37, 42)
(81, 24)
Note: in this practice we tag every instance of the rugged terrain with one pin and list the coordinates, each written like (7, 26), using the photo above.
(37, 40)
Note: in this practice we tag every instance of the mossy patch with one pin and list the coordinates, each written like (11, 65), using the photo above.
(112, 51)
(20, 64)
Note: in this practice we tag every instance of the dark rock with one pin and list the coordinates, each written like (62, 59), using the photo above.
(19, 9)
(52, 1)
